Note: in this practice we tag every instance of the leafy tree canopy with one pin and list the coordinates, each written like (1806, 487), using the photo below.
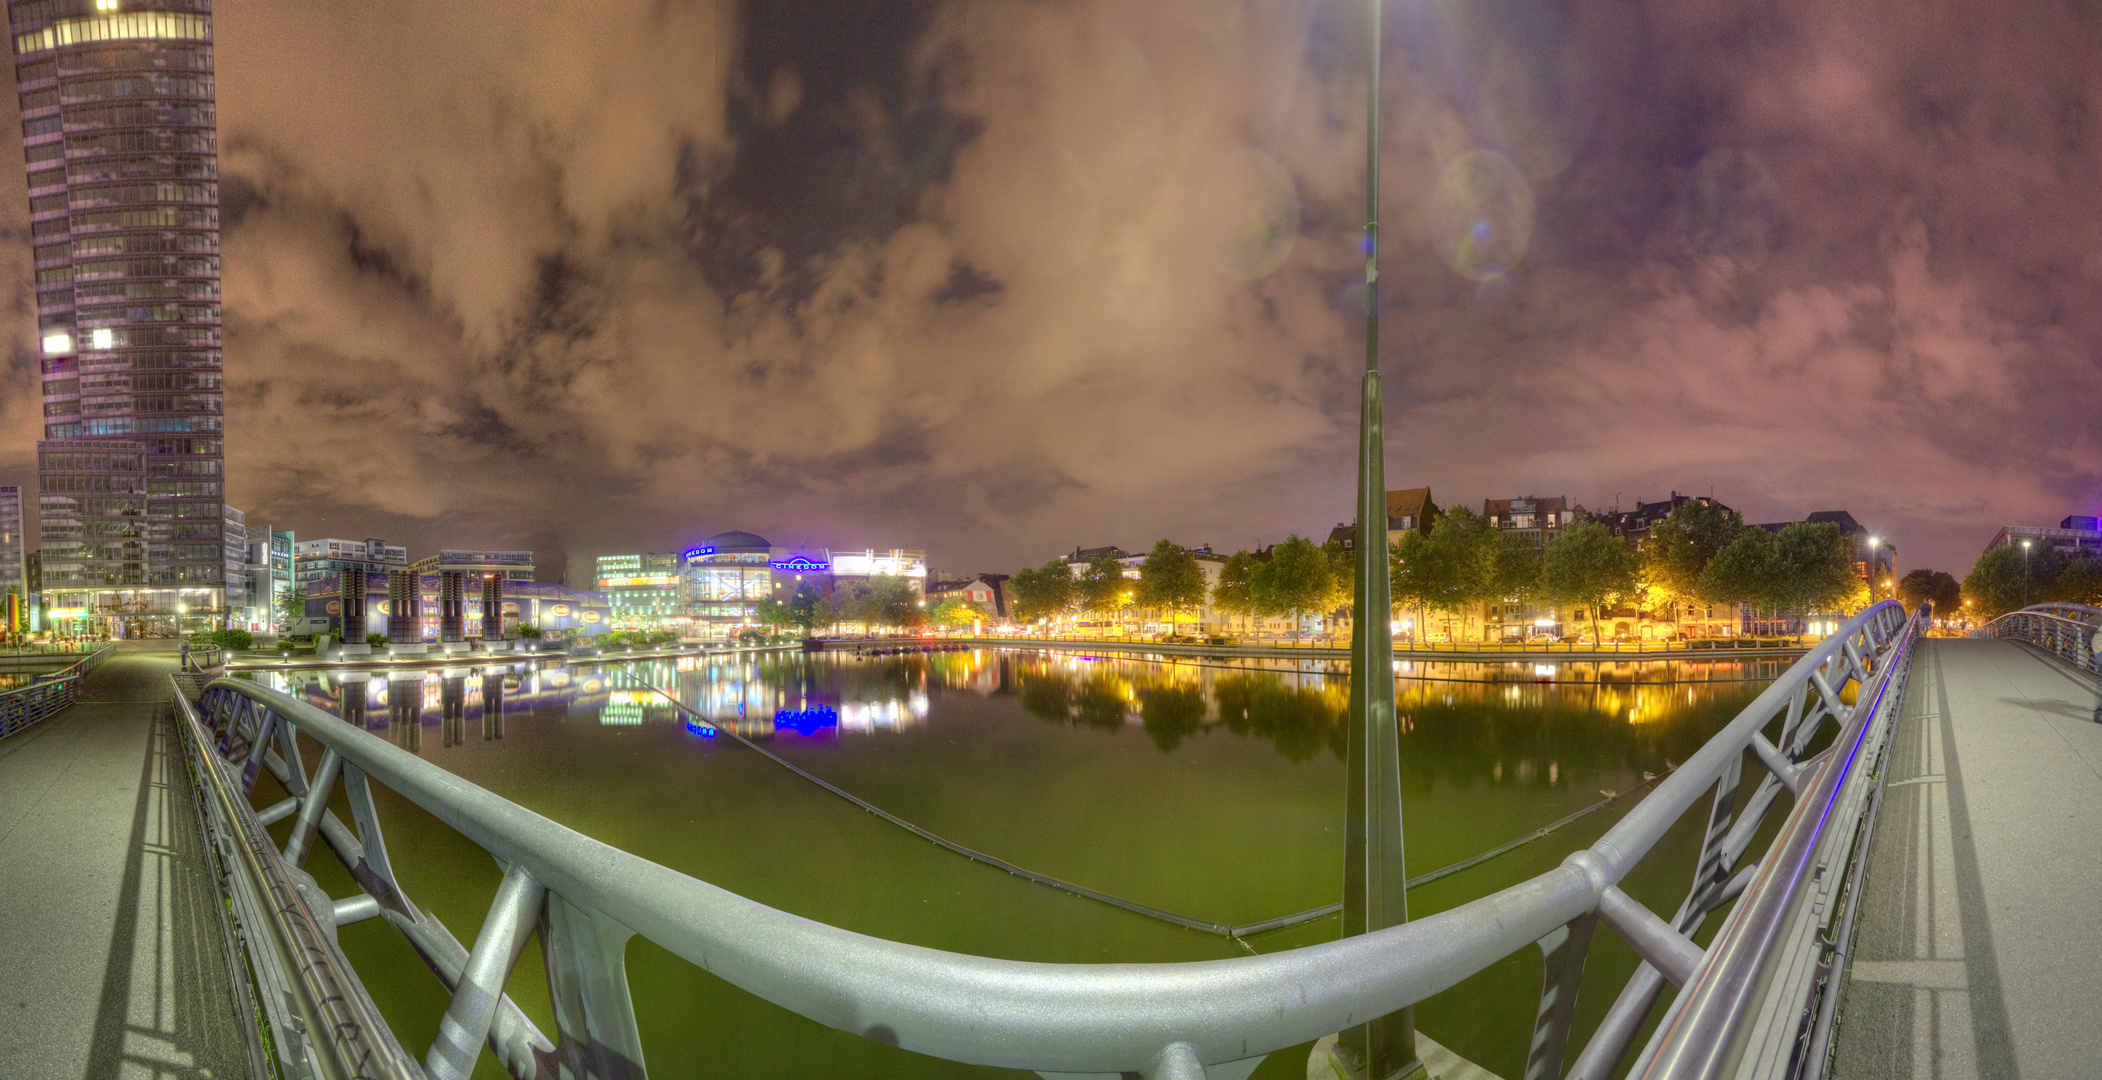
(1170, 579)
(1586, 564)
(1104, 590)
(1234, 593)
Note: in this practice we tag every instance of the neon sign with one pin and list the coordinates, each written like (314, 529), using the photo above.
(802, 564)
(805, 721)
(695, 553)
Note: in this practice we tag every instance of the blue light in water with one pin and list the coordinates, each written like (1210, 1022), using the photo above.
(805, 721)
(698, 728)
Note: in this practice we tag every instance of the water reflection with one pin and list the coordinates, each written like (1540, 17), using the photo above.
(1525, 721)
(464, 704)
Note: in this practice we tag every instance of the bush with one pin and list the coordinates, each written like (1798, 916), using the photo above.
(226, 639)
(530, 633)
(375, 640)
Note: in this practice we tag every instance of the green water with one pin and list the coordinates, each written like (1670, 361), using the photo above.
(1212, 789)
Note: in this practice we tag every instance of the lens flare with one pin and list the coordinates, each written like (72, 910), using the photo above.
(1251, 207)
(1482, 215)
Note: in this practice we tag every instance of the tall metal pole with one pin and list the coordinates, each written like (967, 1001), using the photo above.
(1373, 872)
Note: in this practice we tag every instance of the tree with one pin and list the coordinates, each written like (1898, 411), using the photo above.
(884, 600)
(774, 613)
(1586, 564)
(2078, 582)
(1170, 579)
(954, 611)
(1343, 578)
(803, 609)
(1678, 549)
(1044, 592)
(1813, 570)
(1233, 594)
(1451, 567)
(1742, 572)
(1924, 586)
(292, 604)
(1104, 590)
(1514, 570)
(1996, 584)
(1295, 582)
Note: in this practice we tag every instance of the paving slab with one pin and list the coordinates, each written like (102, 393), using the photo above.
(1979, 940)
(112, 962)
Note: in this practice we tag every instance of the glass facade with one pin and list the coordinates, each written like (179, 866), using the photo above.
(642, 589)
(121, 142)
(13, 572)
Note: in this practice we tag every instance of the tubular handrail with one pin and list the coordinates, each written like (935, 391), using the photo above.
(323, 1020)
(1154, 1019)
(45, 694)
(1705, 1033)
(2072, 632)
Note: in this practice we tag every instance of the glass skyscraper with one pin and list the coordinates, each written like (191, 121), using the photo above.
(121, 140)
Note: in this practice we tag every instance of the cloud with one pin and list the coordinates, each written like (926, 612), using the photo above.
(997, 279)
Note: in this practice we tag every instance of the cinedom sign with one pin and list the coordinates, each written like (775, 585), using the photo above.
(802, 565)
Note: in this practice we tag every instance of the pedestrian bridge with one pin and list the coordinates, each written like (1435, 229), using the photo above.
(1926, 908)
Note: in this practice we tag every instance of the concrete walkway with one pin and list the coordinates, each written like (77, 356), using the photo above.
(1980, 945)
(112, 961)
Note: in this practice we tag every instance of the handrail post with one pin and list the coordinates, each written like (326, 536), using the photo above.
(511, 920)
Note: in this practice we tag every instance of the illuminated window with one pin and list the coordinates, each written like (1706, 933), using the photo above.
(58, 343)
(115, 26)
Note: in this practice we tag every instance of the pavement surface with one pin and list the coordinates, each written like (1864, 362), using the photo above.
(112, 961)
(1979, 950)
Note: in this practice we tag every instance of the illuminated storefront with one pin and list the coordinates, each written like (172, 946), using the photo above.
(726, 576)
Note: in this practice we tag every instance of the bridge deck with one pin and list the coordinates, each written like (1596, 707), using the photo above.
(1978, 943)
(112, 961)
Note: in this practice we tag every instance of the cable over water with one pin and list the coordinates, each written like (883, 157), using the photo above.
(1234, 933)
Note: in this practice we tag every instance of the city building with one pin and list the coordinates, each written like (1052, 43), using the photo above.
(641, 590)
(268, 569)
(313, 560)
(233, 540)
(1151, 621)
(511, 565)
(557, 610)
(120, 139)
(988, 591)
(14, 548)
(2076, 534)
(724, 578)
(1634, 525)
(1408, 510)
(1532, 519)
(972, 591)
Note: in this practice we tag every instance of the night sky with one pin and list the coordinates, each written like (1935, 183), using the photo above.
(999, 279)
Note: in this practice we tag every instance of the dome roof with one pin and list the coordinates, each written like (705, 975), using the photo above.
(737, 541)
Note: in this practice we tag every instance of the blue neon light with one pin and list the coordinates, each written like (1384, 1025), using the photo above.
(805, 721)
(698, 728)
(802, 563)
(695, 553)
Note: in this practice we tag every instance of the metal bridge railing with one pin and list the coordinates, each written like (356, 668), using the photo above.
(2072, 632)
(23, 706)
(1215, 1018)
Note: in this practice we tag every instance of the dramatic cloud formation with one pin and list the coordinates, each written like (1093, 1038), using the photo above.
(997, 279)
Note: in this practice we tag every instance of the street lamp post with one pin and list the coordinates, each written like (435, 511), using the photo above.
(2025, 573)
(1374, 876)
(1874, 542)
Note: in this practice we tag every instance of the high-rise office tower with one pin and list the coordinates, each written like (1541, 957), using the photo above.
(12, 547)
(120, 136)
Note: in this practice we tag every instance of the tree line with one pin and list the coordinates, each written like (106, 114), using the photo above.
(2006, 579)
(1700, 554)
(884, 600)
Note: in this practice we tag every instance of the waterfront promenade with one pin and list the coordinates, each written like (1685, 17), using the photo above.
(112, 961)
(1978, 952)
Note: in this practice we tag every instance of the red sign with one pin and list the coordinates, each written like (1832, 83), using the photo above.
(335, 607)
